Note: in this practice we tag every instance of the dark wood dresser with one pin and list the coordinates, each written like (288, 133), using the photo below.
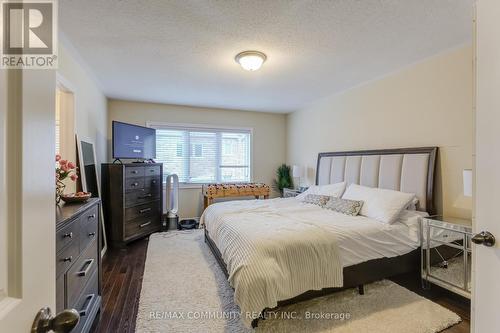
(132, 200)
(78, 261)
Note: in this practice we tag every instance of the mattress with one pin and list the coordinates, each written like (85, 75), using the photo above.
(359, 238)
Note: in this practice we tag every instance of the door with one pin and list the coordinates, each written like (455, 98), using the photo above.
(27, 212)
(486, 287)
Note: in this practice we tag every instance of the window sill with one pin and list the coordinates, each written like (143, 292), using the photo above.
(191, 186)
(187, 186)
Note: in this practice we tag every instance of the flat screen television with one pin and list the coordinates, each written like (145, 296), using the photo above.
(133, 141)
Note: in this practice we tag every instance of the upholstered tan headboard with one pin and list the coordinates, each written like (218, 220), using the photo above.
(408, 170)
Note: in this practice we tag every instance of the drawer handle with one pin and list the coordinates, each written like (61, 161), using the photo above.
(88, 301)
(149, 195)
(145, 210)
(91, 216)
(91, 234)
(145, 224)
(151, 170)
(84, 272)
(153, 182)
(70, 258)
(135, 184)
(134, 172)
(68, 235)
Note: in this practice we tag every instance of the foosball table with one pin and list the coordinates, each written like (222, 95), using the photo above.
(213, 191)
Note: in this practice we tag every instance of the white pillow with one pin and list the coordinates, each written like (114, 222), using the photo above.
(379, 204)
(331, 190)
(413, 205)
(410, 217)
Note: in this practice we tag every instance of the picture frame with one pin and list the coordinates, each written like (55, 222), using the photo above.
(89, 180)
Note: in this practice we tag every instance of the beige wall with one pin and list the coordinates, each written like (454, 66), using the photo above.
(269, 134)
(427, 104)
(90, 102)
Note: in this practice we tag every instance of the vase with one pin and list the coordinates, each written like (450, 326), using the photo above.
(60, 186)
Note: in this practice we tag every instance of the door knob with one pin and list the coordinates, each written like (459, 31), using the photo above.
(63, 322)
(485, 238)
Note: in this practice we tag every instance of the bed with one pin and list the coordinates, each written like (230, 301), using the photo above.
(280, 251)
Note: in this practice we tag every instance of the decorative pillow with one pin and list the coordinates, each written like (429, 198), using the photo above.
(344, 206)
(379, 204)
(316, 199)
(330, 190)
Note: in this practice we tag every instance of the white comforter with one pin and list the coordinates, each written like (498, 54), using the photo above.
(280, 248)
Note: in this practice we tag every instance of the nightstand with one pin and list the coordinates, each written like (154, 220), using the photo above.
(289, 192)
(446, 253)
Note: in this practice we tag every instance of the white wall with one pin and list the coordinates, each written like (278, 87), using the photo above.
(90, 102)
(427, 104)
(269, 133)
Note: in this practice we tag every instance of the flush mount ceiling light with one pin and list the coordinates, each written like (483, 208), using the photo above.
(250, 60)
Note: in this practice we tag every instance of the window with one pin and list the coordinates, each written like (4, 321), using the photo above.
(58, 122)
(65, 128)
(204, 155)
(179, 150)
(197, 150)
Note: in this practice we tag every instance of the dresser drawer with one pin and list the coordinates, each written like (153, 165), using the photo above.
(67, 235)
(131, 172)
(141, 196)
(134, 184)
(145, 210)
(66, 257)
(142, 226)
(152, 170)
(80, 273)
(91, 215)
(152, 183)
(89, 222)
(87, 302)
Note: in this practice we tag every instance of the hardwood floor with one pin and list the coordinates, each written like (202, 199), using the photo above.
(122, 279)
(453, 302)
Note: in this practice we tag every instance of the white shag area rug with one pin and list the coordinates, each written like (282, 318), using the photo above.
(184, 290)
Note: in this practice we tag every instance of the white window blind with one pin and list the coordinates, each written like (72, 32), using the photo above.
(58, 121)
(204, 155)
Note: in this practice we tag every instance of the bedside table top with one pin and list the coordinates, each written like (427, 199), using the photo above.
(450, 222)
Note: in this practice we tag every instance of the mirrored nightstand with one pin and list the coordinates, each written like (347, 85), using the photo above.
(446, 253)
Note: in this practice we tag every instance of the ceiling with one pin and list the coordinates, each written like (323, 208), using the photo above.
(182, 52)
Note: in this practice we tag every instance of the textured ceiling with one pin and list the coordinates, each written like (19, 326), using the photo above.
(182, 52)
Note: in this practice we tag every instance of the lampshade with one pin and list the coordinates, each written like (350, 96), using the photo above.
(296, 171)
(468, 183)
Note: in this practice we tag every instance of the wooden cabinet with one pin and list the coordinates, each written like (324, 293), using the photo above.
(78, 261)
(132, 200)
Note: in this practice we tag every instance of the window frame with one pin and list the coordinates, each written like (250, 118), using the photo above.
(205, 127)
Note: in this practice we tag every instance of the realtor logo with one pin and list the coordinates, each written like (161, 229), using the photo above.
(28, 35)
